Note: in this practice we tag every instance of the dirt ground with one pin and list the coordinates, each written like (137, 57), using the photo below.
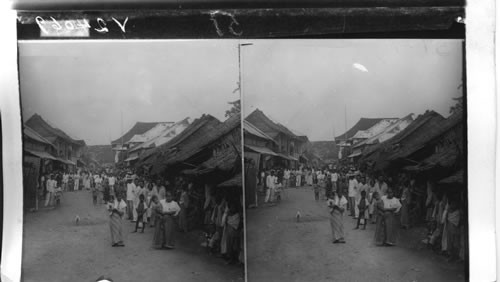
(56, 249)
(281, 249)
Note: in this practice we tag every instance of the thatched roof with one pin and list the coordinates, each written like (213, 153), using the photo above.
(235, 181)
(269, 127)
(457, 177)
(33, 135)
(446, 158)
(231, 152)
(427, 133)
(38, 124)
(407, 141)
(251, 129)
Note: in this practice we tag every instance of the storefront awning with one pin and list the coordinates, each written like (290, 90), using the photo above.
(287, 157)
(261, 150)
(355, 154)
(68, 162)
(198, 171)
(41, 155)
(132, 158)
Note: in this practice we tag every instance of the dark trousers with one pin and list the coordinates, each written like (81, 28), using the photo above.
(140, 218)
(361, 216)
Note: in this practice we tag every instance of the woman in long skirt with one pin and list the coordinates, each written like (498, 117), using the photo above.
(232, 230)
(157, 219)
(337, 204)
(379, 217)
(405, 207)
(170, 211)
(391, 206)
(117, 210)
(184, 204)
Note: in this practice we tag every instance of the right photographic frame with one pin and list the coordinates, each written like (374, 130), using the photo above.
(355, 159)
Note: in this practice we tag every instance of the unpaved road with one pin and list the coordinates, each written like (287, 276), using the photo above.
(56, 249)
(281, 249)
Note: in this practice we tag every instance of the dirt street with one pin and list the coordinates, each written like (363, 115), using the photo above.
(56, 249)
(281, 249)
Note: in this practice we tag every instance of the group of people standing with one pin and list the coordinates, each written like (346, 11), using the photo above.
(146, 202)
(164, 207)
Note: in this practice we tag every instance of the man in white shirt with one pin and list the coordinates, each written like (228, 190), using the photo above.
(381, 186)
(111, 182)
(270, 184)
(65, 181)
(286, 177)
(130, 197)
(353, 187)
(334, 177)
(51, 187)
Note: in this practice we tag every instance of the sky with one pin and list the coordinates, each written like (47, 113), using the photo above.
(310, 86)
(85, 87)
(97, 90)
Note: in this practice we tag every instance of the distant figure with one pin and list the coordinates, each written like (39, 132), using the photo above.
(184, 204)
(379, 217)
(130, 198)
(51, 186)
(270, 183)
(316, 192)
(112, 182)
(117, 209)
(353, 186)
(286, 178)
(298, 175)
(77, 181)
(231, 228)
(334, 177)
(157, 219)
(405, 206)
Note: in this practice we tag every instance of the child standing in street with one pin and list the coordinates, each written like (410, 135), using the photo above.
(141, 211)
(363, 210)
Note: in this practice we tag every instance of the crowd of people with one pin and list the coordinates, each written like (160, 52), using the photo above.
(390, 202)
(163, 205)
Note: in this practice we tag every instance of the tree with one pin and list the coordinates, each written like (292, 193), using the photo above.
(459, 106)
(235, 108)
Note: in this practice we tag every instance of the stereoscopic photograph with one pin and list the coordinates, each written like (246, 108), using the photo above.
(355, 160)
(132, 160)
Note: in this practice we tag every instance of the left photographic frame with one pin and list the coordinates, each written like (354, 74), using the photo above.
(131, 158)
